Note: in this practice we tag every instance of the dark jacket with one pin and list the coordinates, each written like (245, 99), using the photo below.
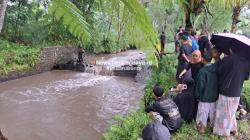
(207, 84)
(155, 131)
(166, 107)
(232, 72)
(204, 44)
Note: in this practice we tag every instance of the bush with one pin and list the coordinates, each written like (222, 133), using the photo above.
(14, 57)
(246, 94)
(164, 75)
(127, 128)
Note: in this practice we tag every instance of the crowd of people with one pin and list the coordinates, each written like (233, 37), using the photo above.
(208, 91)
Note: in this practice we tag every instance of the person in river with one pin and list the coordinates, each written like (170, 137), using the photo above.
(81, 52)
(184, 56)
(206, 91)
(163, 40)
(232, 71)
(166, 108)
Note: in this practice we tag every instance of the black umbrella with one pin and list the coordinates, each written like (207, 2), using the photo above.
(238, 43)
(155, 131)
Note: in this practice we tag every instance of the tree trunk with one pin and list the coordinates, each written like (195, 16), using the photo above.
(235, 18)
(3, 8)
(188, 18)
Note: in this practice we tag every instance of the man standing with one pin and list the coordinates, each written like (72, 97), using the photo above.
(232, 71)
(163, 41)
(204, 43)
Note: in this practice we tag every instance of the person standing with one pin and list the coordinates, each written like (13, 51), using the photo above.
(204, 43)
(206, 93)
(163, 40)
(195, 65)
(184, 56)
(177, 38)
(232, 71)
(80, 54)
(194, 39)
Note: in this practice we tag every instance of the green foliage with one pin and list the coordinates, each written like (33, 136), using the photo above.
(127, 128)
(28, 23)
(189, 131)
(14, 57)
(246, 94)
(164, 75)
(244, 129)
(72, 18)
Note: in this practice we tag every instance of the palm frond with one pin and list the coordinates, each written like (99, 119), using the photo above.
(72, 18)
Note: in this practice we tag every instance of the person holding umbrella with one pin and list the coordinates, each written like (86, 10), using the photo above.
(232, 71)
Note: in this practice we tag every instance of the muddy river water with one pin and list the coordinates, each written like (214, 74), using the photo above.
(64, 105)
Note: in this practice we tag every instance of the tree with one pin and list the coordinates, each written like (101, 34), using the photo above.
(3, 8)
(238, 4)
(75, 21)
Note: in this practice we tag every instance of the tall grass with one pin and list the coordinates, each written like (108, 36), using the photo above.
(15, 57)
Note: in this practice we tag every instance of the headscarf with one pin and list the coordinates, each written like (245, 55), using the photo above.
(196, 57)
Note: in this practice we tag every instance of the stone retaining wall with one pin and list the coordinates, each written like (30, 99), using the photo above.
(50, 56)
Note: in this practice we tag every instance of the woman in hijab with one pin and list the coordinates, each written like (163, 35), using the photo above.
(195, 65)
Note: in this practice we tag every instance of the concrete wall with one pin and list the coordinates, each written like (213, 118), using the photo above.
(55, 55)
(49, 57)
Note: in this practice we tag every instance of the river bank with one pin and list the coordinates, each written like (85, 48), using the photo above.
(44, 60)
(129, 126)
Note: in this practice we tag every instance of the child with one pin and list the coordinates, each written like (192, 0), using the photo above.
(206, 93)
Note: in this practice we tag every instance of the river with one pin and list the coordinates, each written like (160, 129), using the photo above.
(64, 105)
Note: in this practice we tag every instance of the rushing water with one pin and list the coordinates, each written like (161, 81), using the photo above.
(64, 105)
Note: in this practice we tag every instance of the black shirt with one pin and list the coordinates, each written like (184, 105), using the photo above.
(232, 72)
(204, 44)
(187, 50)
(195, 68)
(166, 107)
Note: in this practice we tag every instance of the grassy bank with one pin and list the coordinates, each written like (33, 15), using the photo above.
(16, 57)
(129, 127)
